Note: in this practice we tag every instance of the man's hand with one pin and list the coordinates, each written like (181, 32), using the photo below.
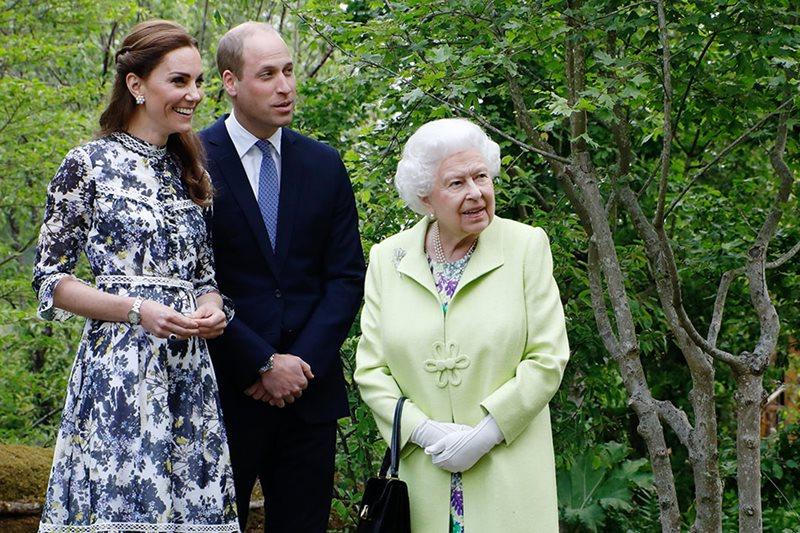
(284, 383)
(257, 392)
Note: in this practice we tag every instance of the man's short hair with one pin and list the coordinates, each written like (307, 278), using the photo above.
(231, 45)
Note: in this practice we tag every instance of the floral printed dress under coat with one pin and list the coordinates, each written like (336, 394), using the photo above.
(142, 446)
(446, 277)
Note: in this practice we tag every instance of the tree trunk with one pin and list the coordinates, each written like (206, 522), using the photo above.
(653, 434)
(748, 453)
(700, 440)
(704, 454)
(603, 258)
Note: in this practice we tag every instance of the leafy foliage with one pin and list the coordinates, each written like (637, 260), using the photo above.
(600, 480)
(370, 73)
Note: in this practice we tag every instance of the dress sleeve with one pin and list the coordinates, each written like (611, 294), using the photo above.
(519, 400)
(67, 219)
(204, 281)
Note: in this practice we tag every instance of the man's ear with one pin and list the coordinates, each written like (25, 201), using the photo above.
(134, 84)
(229, 81)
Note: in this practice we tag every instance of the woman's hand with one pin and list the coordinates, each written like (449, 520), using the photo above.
(429, 432)
(460, 450)
(163, 321)
(210, 320)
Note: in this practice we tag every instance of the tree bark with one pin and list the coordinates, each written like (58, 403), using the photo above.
(748, 452)
(701, 440)
(625, 350)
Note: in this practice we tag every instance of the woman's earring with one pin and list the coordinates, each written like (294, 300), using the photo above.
(431, 216)
(139, 99)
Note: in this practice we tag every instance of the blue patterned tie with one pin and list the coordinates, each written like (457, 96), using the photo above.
(268, 191)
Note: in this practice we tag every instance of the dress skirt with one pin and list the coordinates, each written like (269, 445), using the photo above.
(142, 446)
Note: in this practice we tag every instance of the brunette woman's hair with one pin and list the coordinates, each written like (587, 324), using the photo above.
(142, 50)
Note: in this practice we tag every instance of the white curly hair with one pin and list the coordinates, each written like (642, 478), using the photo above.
(429, 146)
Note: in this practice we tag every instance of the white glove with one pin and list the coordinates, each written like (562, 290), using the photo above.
(430, 432)
(459, 451)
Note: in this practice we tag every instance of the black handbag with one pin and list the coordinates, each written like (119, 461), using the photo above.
(384, 507)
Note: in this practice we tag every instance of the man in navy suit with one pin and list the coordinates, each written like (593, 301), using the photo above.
(288, 253)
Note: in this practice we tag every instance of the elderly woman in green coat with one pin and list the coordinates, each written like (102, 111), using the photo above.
(463, 317)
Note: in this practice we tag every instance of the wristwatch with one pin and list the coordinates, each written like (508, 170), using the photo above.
(268, 366)
(134, 316)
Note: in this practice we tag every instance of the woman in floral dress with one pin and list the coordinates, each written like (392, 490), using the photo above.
(141, 446)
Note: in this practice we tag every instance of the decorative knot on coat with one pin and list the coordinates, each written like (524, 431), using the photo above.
(446, 364)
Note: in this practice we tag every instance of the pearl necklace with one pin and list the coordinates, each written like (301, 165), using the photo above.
(438, 250)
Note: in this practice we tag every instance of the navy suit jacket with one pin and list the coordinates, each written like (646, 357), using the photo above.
(301, 298)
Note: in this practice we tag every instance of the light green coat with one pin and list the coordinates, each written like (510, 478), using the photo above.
(500, 350)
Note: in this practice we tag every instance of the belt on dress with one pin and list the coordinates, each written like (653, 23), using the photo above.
(144, 280)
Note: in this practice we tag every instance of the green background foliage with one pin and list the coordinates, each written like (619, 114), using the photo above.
(372, 71)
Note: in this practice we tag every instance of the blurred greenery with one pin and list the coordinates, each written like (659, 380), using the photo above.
(370, 72)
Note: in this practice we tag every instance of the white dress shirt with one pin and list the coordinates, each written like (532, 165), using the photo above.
(249, 153)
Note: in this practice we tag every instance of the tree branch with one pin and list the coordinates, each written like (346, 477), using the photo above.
(205, 22)
(755, 267)
(677, 420)
(607, 334)
(719, 304)
(724, 285)
(785, 257)
(107, 49)
(21, 250)
(523, 118)
(723, 153)
(666, 147)
(682, 104)
(677, 302)
(524, 121)
(462, 110)
(576, 80)
(775, 394)
(321, 62)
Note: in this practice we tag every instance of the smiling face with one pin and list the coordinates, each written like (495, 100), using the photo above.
(264, 96)
(463, 195)
(172, 91)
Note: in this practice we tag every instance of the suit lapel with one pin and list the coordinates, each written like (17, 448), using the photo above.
(231, 170)
(292, 183)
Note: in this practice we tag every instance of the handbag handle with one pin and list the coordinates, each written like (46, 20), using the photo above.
(391, 460)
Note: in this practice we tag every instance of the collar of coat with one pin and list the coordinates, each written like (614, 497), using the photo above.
(488, 255)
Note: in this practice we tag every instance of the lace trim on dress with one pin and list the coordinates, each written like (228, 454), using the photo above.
(120, 527)
(180, 205)
(138, 145)
(175, 205)
(143, 280)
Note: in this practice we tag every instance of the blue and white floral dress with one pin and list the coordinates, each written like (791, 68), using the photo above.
(142, 446)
